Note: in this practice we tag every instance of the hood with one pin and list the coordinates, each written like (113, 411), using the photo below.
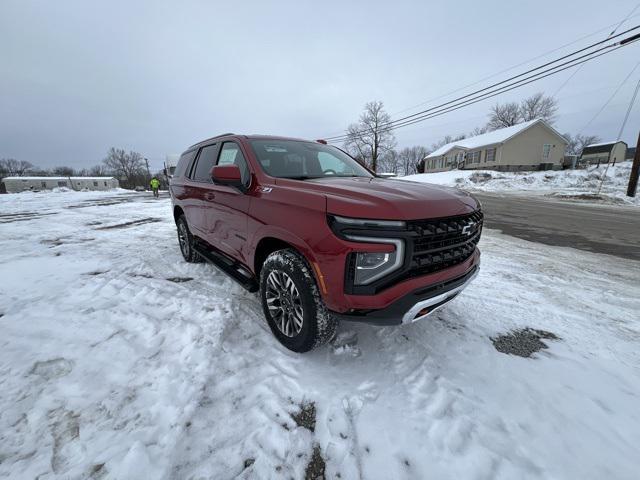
(389, 199)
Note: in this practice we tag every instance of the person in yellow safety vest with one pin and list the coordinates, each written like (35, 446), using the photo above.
(155, 185)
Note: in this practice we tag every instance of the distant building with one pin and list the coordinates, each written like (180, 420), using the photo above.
(631, 153)
(533, 145)
(598, 153)
(22, 184)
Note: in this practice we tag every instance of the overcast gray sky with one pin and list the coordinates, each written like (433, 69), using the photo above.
(78, 77)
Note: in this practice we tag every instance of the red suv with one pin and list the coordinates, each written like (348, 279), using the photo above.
(320, 236)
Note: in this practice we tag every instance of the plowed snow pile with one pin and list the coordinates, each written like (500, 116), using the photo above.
(111, 368)
(571, 184)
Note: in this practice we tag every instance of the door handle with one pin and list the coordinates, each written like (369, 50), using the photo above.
(209, 196)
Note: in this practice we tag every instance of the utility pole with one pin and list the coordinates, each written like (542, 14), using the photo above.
(635, 171)
(146, 161)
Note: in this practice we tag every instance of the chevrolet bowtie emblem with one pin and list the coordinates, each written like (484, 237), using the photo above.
(466, 230)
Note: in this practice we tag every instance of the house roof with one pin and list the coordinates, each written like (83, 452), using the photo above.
(491, 138)
(604, 147)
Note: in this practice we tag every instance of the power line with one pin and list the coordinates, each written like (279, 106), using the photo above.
(624, 124)
(564, 57)
(624, 19)
(564, 84)
(609, 99)
(542, 55)
(626, 117)
(483, 97)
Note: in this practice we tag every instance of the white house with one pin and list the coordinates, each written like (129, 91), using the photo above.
(21, 184)
(533, 145)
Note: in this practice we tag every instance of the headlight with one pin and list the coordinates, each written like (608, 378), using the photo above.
(370, 266)
(363, 222)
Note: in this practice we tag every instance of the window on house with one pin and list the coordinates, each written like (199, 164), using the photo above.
(490, 155)
(62, 184)
(95, 184)
(473, 157)
(105, 184)
(546, 150)
(43, 184)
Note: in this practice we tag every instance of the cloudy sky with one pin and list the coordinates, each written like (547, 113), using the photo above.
(78, 77)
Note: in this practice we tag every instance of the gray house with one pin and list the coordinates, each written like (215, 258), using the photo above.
(22, 184)
(533, 145)
(604, 153)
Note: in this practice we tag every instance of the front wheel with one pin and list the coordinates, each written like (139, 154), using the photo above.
(292, 304)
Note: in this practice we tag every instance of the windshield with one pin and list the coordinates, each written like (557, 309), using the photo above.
(302, 160)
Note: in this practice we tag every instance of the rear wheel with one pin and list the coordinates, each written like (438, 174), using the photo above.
(292, 304)
(185, 239)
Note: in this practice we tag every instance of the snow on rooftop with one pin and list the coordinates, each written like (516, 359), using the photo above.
(57, 178)
(602, 144)
(489, 138)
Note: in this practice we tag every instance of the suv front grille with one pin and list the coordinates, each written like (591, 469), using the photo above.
(443, 242)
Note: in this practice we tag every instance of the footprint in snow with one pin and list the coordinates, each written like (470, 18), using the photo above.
(55, 368)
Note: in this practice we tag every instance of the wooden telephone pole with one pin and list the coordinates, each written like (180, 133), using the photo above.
(635, 171)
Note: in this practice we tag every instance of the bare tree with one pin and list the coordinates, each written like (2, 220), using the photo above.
(478, 131)
(409, 158)
(64, 171)
(126, 165)
(539, 106)
(576, 144)
(98, 171)
(13, 167)
(388, 162)
(445, 140)
(504, 115)
(368, 139)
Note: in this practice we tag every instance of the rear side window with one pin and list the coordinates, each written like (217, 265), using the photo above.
(184, 162)
(232, 155)
(206, 160)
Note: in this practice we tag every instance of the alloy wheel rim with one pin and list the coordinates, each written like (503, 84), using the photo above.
(183, 239)
(284, 303)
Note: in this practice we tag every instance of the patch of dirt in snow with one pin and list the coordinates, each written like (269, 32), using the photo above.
(97, 272)
(316, 466)
(524, 342)
(306, 417)
(103, 202)
(133, 223)
(56, 242)
(24, 216)
(179, 279)
(589, 197)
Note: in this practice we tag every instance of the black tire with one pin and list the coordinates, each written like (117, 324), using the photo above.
(186, 246)
(318, 325)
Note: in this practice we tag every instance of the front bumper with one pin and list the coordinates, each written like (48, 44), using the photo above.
(415, 305)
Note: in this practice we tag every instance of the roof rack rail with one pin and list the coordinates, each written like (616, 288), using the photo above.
(211, 138)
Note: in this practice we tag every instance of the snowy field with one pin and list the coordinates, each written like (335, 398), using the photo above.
(120, 361)
(580, 185)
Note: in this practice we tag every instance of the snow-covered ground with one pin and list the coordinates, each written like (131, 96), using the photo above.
(570, 184)
(120, 361)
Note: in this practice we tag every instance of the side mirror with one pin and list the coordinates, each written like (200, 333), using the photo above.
(227, 175)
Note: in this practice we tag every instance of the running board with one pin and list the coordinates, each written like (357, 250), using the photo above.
(229, 266)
